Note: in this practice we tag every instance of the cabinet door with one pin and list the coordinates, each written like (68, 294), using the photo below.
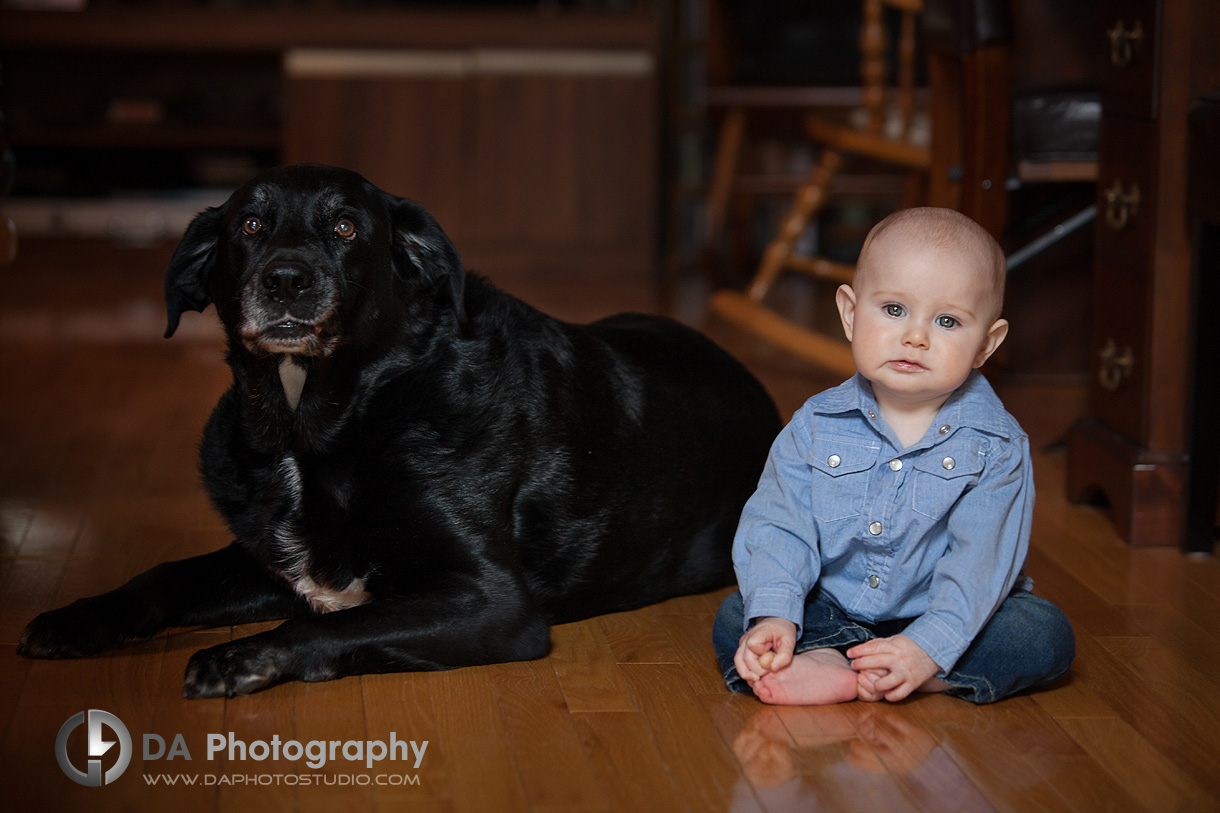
(1128, 45)
(531, 151)
(397, 119)
(1121, 303)
(563, 160)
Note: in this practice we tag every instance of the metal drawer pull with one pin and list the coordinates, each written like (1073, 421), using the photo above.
(1124, 43)
(1114, 366)
(1120, 206)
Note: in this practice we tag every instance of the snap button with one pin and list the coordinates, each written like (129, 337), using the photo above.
(875, 528)
(944, 430)
(833, 461)
(895, 465)
(872, 415)
(873, 581)
(948, 463)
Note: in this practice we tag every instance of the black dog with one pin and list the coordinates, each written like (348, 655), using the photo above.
(422, 472)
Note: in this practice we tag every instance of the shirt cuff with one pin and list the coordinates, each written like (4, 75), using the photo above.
(942, 644)
(768, 602)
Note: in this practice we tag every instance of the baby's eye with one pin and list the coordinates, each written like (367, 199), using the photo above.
(947, 322)
(895, 310)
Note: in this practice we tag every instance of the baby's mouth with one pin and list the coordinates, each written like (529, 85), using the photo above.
(906, 365)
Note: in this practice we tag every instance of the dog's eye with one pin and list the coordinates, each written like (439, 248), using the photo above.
(251, 225)
(346, 229)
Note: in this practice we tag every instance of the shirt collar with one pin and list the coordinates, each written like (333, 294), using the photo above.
(974, 405)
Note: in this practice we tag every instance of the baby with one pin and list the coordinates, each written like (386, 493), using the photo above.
(882, 553)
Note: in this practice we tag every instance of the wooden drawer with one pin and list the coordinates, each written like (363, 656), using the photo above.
(1128, 45)
(1124, 262)
(1126, 201)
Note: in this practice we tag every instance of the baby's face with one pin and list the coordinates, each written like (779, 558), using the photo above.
(922, 318)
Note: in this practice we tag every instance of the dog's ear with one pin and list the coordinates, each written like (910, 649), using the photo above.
(186, 278)
(420, 244)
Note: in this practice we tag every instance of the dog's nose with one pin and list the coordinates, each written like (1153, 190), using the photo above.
(286, 283)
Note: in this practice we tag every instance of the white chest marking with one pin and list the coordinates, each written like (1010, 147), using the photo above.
(326, 599)
(295, 555)
(292, 376)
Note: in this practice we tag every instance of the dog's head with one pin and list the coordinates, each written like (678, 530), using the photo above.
(304, 257)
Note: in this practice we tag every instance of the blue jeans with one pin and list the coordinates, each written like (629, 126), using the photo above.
(1028, 642)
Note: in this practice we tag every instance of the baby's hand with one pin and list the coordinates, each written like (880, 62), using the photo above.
(866, 685)
(899, 666)
(766, 647)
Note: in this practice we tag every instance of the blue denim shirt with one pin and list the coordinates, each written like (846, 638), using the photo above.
(937, 531)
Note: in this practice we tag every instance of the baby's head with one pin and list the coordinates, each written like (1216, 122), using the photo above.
(930, 228)
(923, 309)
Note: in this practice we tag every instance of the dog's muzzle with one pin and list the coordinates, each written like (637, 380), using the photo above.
(285, 309)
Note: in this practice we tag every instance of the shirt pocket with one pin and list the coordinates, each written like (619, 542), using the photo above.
(840, 469)
(943, 474)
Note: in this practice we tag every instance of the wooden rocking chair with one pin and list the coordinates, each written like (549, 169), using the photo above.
(885, 137)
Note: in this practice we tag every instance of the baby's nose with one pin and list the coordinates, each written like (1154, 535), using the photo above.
(915, 337)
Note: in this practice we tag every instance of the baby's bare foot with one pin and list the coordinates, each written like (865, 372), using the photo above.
(814, 678)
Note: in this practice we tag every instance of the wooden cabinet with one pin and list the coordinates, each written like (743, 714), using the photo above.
(530, 133)
(1133, 446)
(512, 150)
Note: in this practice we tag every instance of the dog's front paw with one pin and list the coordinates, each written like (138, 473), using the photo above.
(82, 628)
(238, 667)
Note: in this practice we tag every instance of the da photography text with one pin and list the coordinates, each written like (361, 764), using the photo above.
(106, 730)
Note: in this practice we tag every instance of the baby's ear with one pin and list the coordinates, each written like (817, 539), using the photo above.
(845, 298)
(995, 337)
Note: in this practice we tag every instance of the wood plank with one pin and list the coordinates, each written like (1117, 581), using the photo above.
(1082, 783)
(1171, 675)
(192, 719)
(400, 705)
(550, 761)
(993, 747)
(1190, 584)
(1088, 611)
(628, 768)
(329, 712)
(123, 685)
(261, 716)
(1138, 766)
(29, 587)
(804, 758)
(690, 636)
(915, 757)
(1103, 562)
(14, 670)
(714, 599)
(473, 742)
(1070, 698)
(635, 637)
(1189, 743)
(1181, 640)
(702, 767)
(587, 669)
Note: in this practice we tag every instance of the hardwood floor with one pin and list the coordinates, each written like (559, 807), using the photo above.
(99, 419)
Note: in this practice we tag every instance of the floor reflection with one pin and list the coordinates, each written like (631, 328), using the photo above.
(812, 758)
